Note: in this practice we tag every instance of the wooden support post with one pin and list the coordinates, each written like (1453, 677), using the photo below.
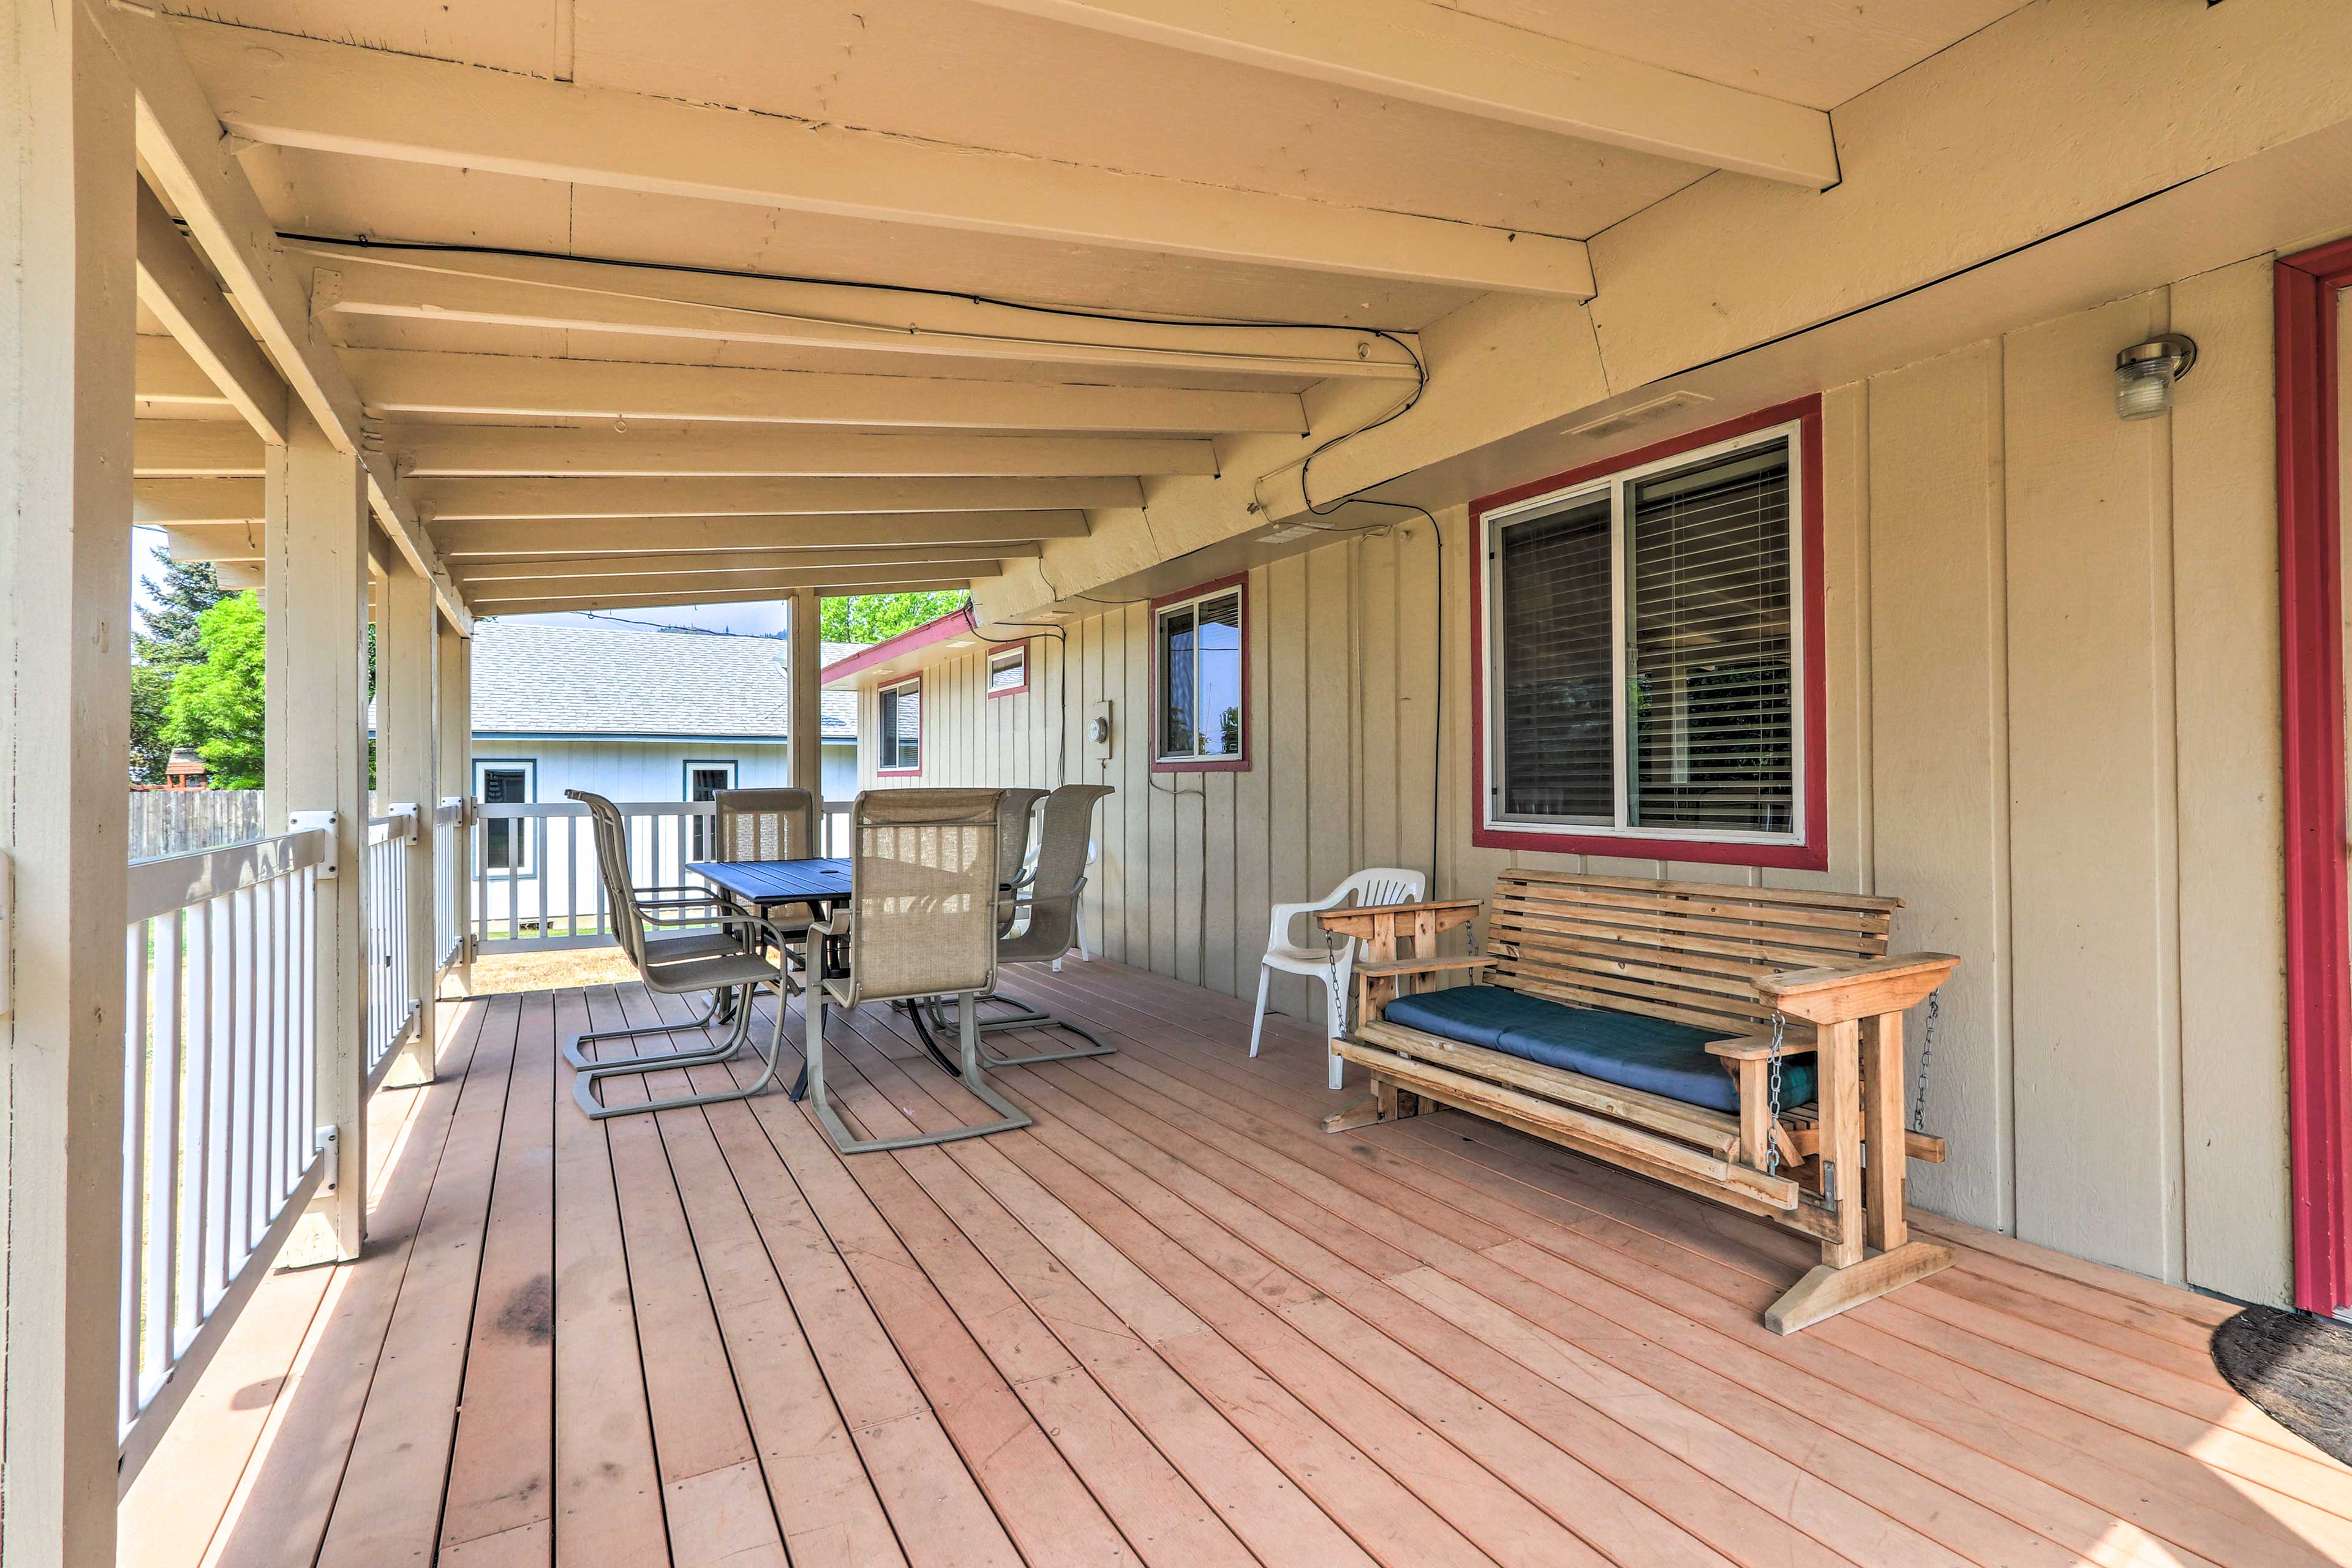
(1883, 1130)
(316, 726)
(1756, 1128)
(804, 664)
(453, 676)
(67, 291)
(1839, 1057)
(407, 772)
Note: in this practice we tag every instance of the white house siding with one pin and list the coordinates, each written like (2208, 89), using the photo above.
(554, 894)
(625, 769)
(2053, 731)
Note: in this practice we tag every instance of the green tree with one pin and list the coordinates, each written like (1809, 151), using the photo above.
(875, 617)
(216, 706)
(163, 644)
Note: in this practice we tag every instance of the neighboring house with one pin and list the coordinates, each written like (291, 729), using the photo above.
(641, 715)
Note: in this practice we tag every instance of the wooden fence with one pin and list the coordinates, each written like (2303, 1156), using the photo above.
(179, 822)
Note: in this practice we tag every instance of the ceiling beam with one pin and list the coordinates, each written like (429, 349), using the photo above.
(435, 451)
(184, 296)
(246, 541)
(487, 591)
(844, 530)
(166, 372)
(1451, 59)
(557, 604)
(180, 144)
(194, 449)
(564, 295)
(704, 562)
(343, 98)
(195, 500)
(416, 381)
(449, 500)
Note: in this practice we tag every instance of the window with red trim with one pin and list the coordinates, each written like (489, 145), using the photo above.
(899, 727)
(1008, 670)
(1201, 708)
(1644, 656)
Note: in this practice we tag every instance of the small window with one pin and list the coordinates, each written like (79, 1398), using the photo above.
(899, 734)
(1008, 670)
(1644, 644)
(1203, 718)
(506, 840)
(703, 782)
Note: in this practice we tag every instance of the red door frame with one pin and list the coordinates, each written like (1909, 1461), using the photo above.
(2311, 689)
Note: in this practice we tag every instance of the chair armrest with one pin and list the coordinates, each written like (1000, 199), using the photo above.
(834, 924)
(1842, 993)
(1759, 1047)
(1286, 913)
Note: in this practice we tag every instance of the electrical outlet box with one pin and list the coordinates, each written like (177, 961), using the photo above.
(1102, 732)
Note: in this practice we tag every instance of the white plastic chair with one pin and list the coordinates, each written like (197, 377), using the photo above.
(1332, 965)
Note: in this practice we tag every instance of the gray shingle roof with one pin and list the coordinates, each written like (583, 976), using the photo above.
(627, 680)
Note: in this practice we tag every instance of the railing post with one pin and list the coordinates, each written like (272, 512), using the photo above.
(408, 694)
(453, 718)
(317, 749)
(66, 291)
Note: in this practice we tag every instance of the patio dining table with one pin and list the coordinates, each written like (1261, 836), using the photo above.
(760, 885)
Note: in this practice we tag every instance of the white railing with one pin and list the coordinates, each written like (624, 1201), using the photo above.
(452, 883)
(536, 884)
(392, 1005)
(220, 1142)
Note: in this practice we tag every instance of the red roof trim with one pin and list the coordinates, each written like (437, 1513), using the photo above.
(954, 624)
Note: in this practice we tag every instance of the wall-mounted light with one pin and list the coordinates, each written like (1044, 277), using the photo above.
(2144, 373)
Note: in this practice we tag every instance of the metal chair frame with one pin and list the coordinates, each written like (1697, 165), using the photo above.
(921, 807)
(726, 963)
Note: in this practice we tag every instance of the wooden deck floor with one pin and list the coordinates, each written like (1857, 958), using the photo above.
(1172, 1324)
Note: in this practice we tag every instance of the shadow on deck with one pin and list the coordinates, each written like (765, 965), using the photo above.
(1171, 1324)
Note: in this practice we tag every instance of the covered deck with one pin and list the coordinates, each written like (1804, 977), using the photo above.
(1169, 1323)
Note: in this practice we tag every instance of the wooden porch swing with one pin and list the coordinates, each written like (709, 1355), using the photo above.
(1743, 1044)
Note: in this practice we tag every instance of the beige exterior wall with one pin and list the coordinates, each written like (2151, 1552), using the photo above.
(2053, 727)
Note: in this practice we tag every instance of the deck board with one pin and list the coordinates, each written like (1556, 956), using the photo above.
(1169, 1323)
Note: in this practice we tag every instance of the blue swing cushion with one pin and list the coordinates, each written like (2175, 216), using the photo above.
(1631, 1050)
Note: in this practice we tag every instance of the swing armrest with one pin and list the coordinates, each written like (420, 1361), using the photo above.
(1759, 1047)
(1842, 993)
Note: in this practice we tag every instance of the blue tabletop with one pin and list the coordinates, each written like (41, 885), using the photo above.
(777, 882)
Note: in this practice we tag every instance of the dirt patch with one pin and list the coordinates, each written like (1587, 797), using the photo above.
(506, 973)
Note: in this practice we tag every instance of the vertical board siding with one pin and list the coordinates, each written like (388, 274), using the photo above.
(2091, 829)
(2225, 615)
(1938, 757)
(2053, 718)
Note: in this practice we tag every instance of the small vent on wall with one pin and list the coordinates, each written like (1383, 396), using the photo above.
(1285, 535)
(1656, 408)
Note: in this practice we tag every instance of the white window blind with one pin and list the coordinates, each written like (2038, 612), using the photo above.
(1558, 666)
(1707, 646)
(1642, 651)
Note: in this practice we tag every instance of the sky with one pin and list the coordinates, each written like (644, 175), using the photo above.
(745, 620)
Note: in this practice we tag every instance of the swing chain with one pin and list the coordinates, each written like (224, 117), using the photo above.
(1772, 1096)
(1926, 1054)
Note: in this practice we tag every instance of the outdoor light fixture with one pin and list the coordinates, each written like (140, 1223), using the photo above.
(2144, 373)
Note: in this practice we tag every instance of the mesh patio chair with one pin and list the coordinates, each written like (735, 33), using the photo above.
(769, 825)
(921, 923)
(1045, 926)
(722, 961)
